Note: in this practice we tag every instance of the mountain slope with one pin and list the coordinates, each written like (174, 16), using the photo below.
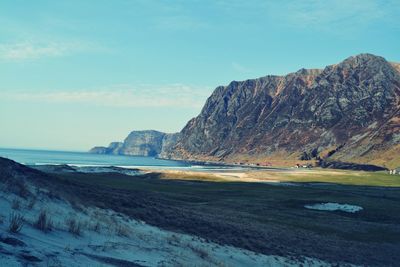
(349, 111)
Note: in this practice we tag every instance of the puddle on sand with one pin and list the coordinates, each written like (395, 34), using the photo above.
(334, 207)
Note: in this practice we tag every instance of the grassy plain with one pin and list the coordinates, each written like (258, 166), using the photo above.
(268, 218)
(288, 175)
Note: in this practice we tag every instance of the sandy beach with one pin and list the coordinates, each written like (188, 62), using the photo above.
(280, 175)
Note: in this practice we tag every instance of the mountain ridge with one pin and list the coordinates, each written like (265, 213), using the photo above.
(258, 119)
(349, 111)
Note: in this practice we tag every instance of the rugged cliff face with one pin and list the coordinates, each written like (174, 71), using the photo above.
(349, 111)
(140, 143)
(113, 148)
(168, 143)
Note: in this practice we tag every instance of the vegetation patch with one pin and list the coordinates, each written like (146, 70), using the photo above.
(262, 217)
(16, 223)
(74, 226)
(43, 222)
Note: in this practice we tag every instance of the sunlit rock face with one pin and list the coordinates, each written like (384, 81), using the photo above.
(140, 143)
(349, 111)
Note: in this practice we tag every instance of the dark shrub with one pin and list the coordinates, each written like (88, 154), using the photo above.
(16, 223)
(74, 226)
(43, 222)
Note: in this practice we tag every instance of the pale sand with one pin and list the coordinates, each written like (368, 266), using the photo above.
(261, 176)
(215, 175)
(234, 176)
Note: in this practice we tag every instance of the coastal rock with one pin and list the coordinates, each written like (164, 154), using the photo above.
(98, 150)
(149, 143)
(168, 143)
(143, 143)
(113, 148)
(347, 112)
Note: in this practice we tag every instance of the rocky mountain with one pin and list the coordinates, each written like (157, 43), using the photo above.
(348, 111)
(112, 148)
(140, 143)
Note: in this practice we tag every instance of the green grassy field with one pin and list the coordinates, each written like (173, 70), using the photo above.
(343, 177)
(266, 218)
(336, 177)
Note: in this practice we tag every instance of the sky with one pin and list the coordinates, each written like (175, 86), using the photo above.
(80, 73)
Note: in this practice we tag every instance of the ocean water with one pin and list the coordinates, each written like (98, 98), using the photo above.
(41, 157)
(83, 159)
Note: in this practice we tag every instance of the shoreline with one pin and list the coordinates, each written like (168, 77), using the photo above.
(280, 176)
(224, 173)
(86, 159)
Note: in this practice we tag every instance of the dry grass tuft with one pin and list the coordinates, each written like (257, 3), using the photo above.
(16, 223)
(122, 230)
(43, 222)
(202, 253)
(74, 226)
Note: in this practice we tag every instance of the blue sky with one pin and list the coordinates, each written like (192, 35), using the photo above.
(74, 74)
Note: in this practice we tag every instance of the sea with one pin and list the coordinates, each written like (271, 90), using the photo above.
(85, 159)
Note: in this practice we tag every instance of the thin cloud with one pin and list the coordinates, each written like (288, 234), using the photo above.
(179, 22)
(336, 16)
(240, 68)
(35, 50)
(174, 96)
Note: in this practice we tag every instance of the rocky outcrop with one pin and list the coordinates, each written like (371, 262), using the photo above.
(348, 112)
(143, 143)
(140, 143)
(168, 143)
(113, 148)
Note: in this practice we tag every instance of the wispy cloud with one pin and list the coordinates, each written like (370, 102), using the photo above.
(174, 96)
(29, 50)
(179, 22)
(339, 16)
(240, 68)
